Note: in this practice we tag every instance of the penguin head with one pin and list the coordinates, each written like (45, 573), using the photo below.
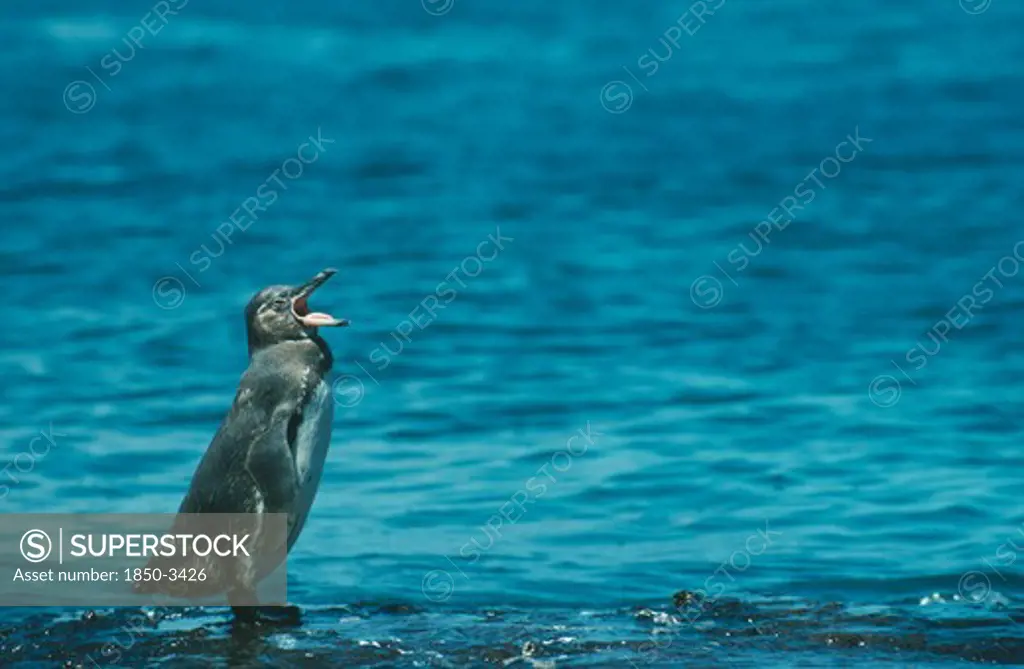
(281, 313)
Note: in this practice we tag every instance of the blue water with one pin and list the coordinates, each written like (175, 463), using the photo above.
(790, 408)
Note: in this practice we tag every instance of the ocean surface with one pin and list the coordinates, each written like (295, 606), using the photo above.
(682, 335)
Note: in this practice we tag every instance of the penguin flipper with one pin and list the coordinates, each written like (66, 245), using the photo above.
(270, 466)
(248, 468)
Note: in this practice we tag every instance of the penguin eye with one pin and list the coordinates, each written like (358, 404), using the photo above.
(280, 302)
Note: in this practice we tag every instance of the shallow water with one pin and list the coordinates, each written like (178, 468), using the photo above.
(748, 436)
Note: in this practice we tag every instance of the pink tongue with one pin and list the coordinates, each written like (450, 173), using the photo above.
(318, 317)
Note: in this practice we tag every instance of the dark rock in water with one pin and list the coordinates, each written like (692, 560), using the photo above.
(685, 598)
(388, 634)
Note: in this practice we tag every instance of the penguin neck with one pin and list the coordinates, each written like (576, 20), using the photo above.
(325, 351)
(318, 353)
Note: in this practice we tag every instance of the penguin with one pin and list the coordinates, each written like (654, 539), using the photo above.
(268, 454)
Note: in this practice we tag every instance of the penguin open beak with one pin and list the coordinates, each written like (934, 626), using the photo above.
(300, 306)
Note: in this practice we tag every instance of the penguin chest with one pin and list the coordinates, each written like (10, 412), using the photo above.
(312, 440)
